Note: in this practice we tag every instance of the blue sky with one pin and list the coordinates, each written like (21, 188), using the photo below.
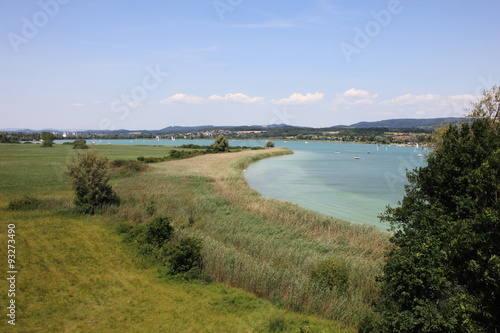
(114, 64)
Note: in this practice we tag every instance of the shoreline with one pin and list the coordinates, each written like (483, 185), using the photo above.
(266, 246)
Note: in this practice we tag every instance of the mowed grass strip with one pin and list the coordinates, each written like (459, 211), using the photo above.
(77, 275)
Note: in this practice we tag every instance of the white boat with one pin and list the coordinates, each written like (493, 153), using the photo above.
(356, 157)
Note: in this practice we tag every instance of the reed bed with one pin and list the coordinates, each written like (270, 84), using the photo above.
(265, 246)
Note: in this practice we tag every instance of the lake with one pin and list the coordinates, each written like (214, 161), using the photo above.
(325, 176)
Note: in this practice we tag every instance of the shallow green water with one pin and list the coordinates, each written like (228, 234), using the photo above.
(327, 178)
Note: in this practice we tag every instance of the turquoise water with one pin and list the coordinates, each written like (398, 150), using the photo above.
(325, 176)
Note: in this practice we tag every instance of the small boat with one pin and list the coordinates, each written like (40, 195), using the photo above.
(420, 155)
(356, 157)
(337, 152)
(368, 152)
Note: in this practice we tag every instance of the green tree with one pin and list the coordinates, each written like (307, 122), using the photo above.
(158, 231)
(80, 144)
(220, 145)
(488, 106)
(185, 257)
(48, 139)
(89, 175)
(443, 272)
(269, 144)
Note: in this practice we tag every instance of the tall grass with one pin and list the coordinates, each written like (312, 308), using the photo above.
(265, 246)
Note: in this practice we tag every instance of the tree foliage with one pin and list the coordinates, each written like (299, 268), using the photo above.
(488, 106)
(80, 144)
(220, 145)
(89, 175)
(443, 273)
(48, 139)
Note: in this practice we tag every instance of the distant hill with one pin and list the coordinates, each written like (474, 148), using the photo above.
(408, 123)
(389, 123)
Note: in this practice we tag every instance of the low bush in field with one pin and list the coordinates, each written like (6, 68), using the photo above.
(185, 257)
(331, 274)
(24, 203)
(128, 167)
(155, 239)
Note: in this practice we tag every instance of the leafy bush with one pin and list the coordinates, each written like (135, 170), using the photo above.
(185, 258)
(48, 139)
(24, 203)
(128, 167)
(152, 159)
(80, 144)
(331, 273)
(89, 175)
(158, 231)
(269, 144)
(220, 144)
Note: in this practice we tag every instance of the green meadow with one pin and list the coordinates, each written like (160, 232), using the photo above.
(76, 273)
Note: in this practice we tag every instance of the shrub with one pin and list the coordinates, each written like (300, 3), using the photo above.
(80, 144)
(158, 231)
(185, 258)
(89, 175)
(48, 139)
(220, 144)
(330, 274)
(24, 203)
(129, 167)
(269, 144)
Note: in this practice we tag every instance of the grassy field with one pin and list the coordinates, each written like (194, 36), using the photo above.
(77, 275)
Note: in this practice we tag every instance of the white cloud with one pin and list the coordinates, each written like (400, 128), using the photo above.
(182, 98)
(430, 105)
(298, 98)
(409, 99)
(353, 98)
(238, 98)
(359, 94)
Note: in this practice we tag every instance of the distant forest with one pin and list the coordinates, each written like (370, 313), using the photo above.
(400, 131)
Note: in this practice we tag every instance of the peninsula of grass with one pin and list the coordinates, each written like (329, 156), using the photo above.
(77, 274)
